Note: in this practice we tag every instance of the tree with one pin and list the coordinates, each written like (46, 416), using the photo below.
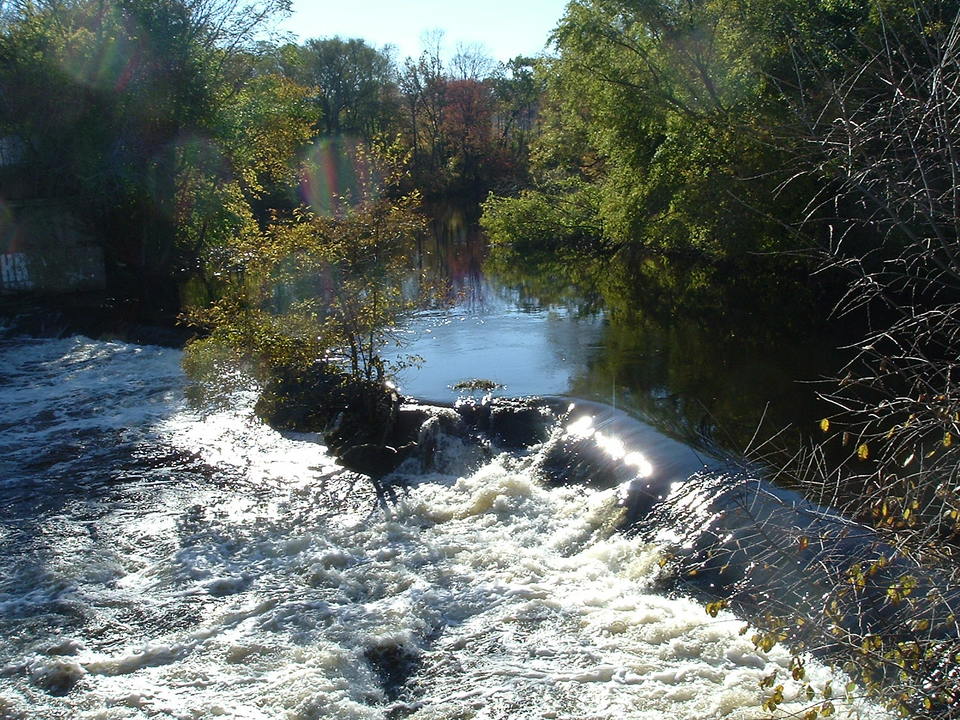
(468, 133)
(355, 85)
(471, 62)
(122, 108)
(424, 86)
(886, 140)
(308, 304)
(518, 90)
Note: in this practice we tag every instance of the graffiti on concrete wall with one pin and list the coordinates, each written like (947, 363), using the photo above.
(14, 273)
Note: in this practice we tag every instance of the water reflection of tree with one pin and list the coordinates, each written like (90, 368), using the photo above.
(699, 358)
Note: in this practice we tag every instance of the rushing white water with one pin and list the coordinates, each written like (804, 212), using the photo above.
(161, 563)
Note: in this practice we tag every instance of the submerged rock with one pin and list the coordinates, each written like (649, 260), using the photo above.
(375, 460)
(394, 664)
(511, 423)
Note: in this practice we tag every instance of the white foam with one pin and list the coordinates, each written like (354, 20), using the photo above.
(251, 598)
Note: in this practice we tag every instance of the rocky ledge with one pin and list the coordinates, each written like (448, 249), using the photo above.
(418, 428)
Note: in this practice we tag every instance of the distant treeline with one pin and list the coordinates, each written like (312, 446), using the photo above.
(167, 127)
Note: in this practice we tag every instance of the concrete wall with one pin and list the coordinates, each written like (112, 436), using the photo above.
(44, 249)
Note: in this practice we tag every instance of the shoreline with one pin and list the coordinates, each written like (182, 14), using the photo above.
(97, 315)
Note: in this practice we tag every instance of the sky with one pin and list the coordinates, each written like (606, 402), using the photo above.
(506, 28)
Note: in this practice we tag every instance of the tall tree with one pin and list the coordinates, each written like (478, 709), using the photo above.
(354, 82)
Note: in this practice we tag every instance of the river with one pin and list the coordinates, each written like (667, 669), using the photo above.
(163, 561)
(534, 331)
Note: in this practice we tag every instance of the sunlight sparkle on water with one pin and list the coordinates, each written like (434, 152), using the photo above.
(613, 446)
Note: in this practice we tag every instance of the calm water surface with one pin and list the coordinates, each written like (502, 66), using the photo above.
(687, 378)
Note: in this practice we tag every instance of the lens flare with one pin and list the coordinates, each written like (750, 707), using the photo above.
(11, 238)
(336, 175)
(106, 54)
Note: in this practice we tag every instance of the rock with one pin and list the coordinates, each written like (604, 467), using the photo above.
(375, 460)
(394, 664)
(475, 413)
(429, 438)
(410, 420)
(510, 423)
(519, 425)
(411, 417)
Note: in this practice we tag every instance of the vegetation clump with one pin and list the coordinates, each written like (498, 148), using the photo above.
(478, 384)
(307, 306)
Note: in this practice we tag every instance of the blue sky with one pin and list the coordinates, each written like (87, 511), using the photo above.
(505, 28)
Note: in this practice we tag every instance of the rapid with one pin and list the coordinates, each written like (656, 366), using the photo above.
(162, 561)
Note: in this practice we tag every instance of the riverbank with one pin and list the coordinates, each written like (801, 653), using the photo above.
(96, 315)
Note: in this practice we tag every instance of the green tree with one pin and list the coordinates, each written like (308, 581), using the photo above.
(518, 90)
(307, 305)
(666, 108)
(354, 82)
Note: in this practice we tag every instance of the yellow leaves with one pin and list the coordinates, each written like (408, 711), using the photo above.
(858, 578)
(901, 590)
(863, 452)
(934, 29)
(947, 439)
(803, 543)
(766, 641)
(714, 608)
(774, 700)
(825, 425)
